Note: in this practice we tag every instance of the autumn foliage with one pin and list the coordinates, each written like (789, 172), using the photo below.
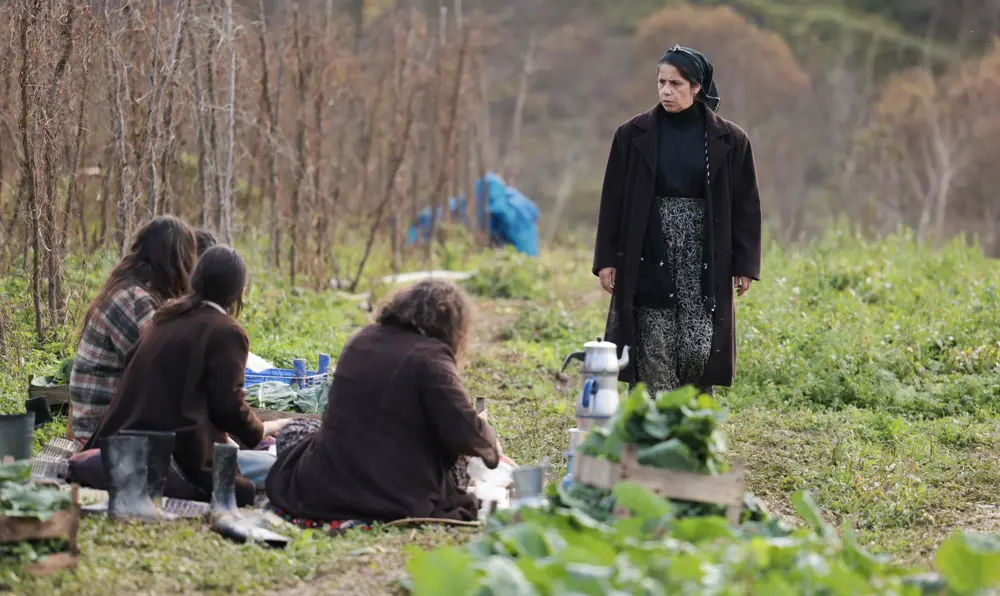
(929, 156)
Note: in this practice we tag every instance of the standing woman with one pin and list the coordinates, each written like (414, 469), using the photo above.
(156, 269)
(679, 229)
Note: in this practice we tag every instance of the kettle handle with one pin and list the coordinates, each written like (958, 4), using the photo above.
(589, 388)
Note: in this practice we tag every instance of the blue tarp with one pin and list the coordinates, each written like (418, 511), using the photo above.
(511, 217)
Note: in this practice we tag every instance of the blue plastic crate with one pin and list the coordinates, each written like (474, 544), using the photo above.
(283, 375)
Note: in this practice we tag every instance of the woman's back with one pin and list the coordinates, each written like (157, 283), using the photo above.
(155, 268)
(100, 356)
(186, 375)
(397, 418)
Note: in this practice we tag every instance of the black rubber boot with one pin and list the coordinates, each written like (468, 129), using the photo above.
(124, 459)
(227, 519)
(40, 407)
(224, 465)
(17, 435)
(161, 449)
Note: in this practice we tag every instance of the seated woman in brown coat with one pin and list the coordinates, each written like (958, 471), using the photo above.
(186, 375)
(397, 419)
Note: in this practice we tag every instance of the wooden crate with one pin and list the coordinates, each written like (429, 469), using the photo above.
(63, 524)
(57, 395)
(724, 489)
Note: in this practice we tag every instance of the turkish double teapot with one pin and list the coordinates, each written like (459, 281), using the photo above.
(598, 398)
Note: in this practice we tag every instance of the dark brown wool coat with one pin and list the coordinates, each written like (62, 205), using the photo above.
(186, 375)
(396, 420)
(629, 186)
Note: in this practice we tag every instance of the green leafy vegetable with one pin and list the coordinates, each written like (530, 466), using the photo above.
(577, 544)
(653, 552)
(678, 430)
(59, 377)
(970, 561)
(19, 497)
(282, 397)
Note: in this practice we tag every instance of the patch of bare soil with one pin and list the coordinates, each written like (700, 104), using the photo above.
(492, 317)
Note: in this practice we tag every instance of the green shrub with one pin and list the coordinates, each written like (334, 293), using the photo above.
(508, 274)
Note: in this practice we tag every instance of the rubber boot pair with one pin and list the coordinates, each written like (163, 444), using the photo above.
(227, 519)
(136, 464)
(17, 435)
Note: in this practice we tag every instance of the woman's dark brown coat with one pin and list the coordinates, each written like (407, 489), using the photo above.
(396, 420)
(629, 186)
(186, 375)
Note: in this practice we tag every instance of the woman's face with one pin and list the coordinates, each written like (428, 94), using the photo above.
(676, 93)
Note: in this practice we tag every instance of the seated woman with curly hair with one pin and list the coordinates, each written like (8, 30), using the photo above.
(397, 422)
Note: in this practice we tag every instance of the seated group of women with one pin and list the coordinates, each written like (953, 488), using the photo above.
(162, 350)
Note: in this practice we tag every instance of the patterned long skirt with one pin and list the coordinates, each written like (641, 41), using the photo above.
(299, 429)
(673, 344)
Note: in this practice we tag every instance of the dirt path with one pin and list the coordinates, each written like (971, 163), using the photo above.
(492, 317)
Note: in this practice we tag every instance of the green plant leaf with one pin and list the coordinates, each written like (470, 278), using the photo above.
(504, 577)
(442, 571)
(640, 501)
(676, 399)
(810, 513)
(970, 562)
(697, 529)
(657, 425)
(525, 540)
(18, 471)
(672, 455)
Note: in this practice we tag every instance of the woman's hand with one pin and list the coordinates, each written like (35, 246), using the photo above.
(742, 284)
(607, 276)
(273, 427)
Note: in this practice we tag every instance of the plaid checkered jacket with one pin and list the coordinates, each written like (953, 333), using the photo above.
(100, 357)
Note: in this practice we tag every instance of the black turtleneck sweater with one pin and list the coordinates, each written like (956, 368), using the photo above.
(680, 173)
(680, 166)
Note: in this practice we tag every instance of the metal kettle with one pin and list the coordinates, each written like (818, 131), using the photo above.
(599, 395)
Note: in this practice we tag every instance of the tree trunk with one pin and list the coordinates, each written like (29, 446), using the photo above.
(28, 17)
(226, 229)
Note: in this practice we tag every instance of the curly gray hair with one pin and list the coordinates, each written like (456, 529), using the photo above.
(434, 307)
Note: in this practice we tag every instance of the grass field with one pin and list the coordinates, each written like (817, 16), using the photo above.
(869, 374)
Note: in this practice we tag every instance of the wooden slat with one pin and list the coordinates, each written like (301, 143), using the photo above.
(52, 564)
(724, 489)
(19, 529)
(62, 524)
(596, 471)
(56, 395)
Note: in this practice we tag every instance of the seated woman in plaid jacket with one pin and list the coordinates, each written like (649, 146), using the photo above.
(156, 268)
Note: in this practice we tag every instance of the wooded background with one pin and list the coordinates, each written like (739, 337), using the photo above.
(314, 129)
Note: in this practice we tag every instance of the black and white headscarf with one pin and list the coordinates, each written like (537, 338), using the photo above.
(696, 65)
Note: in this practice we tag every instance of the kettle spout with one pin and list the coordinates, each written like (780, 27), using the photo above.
(574, 356)
(623, 361)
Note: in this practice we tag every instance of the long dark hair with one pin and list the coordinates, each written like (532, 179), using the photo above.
(206, 240)
(219, 277)
(434, 307)
(160, 259)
